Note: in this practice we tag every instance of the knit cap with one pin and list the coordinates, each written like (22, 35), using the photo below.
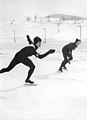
(77, 40)
(36, 40)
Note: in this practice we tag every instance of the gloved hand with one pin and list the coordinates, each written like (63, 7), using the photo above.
(69, 61)
(51, 51)
(70, 57)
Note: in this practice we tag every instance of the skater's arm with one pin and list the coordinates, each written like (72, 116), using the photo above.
(45, 54)
(70, 52)
(70, 56)
(29, 40)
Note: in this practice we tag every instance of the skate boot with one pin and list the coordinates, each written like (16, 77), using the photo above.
(60, 70)
(64, 68)
(29, 81)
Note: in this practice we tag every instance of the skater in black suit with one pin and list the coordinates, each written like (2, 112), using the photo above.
(22, 57)
(67, 53)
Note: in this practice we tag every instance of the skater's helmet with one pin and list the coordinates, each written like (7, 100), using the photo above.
(36, 40)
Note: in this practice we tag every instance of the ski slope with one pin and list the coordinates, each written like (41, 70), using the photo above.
(57, 96)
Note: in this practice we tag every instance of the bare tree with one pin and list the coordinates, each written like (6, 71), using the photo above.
(35, 18)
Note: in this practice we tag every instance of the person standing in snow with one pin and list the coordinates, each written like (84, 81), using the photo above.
(22, 57)
(67, 53)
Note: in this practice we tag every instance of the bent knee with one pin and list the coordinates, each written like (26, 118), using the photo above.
(32, 67)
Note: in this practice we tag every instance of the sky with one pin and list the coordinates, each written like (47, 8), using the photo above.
(19, 9)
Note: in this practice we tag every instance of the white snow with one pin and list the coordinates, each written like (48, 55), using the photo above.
(57, 96)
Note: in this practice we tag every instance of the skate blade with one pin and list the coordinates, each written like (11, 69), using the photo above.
(65, 69)
(59, 71)
(30, 84)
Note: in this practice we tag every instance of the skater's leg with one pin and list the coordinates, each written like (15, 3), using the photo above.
(70, 57)
(63, 64)
(30, 64)
(12, 64)
(65, 61)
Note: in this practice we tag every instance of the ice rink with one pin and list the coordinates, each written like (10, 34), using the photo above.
(57, 96)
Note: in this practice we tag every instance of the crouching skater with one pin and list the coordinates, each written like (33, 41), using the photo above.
(67, 53)
(22, 57)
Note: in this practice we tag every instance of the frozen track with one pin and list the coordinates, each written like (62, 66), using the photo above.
(57, 96)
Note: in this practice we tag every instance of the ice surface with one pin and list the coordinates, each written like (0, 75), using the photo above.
(57, 96)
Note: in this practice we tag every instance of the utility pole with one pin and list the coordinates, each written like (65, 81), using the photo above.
(12, 23)
(80, 31)
(45, 33)
(14, 35)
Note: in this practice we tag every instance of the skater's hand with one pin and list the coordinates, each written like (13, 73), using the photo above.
(70, 57)
(69, 61)
(51, 51)
(70, 52)
(29, 40)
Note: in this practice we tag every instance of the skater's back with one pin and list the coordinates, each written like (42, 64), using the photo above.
(27, 51)
(70, 46)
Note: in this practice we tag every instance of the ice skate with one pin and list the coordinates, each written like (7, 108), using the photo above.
(65, 68)
(60, 70)
(29, 81)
